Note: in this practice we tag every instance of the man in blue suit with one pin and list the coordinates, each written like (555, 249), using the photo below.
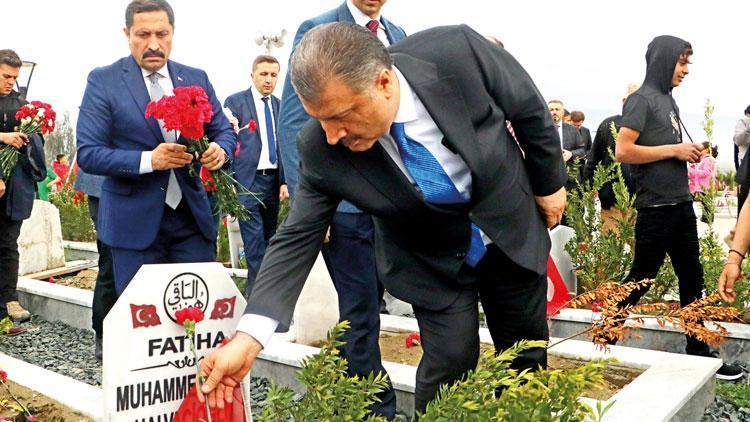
(348, 253)
(152, 210)
(257, 165)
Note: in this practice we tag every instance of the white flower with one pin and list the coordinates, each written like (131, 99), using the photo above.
(40, 112)
(50, 122)
(26, 120)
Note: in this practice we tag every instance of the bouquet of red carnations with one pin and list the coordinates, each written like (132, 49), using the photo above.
(35, 117)
(187, 111)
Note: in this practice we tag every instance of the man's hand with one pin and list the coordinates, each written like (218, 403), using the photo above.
(567, 155)
(728, 277)
(14, 139)
(169, 156)
(283, 192)
(687, 152)
(328, 235)
(552, 206)
(225, 367)
(214, 157)
(2, 188)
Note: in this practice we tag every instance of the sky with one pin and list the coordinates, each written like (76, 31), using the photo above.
(583, 52)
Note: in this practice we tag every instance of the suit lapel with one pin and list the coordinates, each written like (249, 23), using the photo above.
(133, 78)
(445, 104)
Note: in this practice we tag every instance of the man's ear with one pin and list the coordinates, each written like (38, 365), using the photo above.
(126, 31)
(387, 82)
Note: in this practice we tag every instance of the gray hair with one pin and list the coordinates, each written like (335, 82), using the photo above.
(10, 58)
(141, 6)
(343, 51)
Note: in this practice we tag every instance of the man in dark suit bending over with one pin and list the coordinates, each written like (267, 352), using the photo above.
(416, 136)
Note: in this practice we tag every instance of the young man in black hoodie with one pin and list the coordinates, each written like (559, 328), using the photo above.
(650, 138)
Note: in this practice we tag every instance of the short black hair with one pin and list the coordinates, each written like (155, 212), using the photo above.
(10, 58)
(140, 6)
(59, 157)
(747, 110)
(577, 116)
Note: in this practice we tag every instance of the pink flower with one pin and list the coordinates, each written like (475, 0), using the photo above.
(30, 418)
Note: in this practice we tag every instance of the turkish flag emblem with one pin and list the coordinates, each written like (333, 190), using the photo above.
(223, 308)
(557, 292)
(144, 316)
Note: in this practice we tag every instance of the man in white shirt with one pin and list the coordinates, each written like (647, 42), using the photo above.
(152, 209)
(571, 142)
(257, 164)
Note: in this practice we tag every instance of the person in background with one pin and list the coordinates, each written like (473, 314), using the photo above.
(567, 118)
(146, 167)
(45, 187)
(105, 295)
(742, 164)
(702, 175)
(571, 142)
(576, 119)
(17, 193)
(62, 169)
(602, 151)
(349, 250)
(651, 138)
(257, 165)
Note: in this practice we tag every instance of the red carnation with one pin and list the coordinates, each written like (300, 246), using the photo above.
(413, 339)
(189, 314)
(596, 306)
(252, 126)
(186, 111)
(3, 376)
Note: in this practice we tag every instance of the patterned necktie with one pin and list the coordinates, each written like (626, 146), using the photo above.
(435, 184)
(174, 194)
(373, 26)
(269, 132)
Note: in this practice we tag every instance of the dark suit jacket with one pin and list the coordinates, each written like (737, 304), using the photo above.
(586, 135)
(292, 116)
(470, 87)
(113, 131)
(245, 165)
(573, 142)
(20, 188)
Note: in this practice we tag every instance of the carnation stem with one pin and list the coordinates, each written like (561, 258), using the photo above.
(199, 378)
(7, 388)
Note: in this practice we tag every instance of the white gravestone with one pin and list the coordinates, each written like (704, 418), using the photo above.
(317, 308)
(148, 365)
(560, 236)
(40, 244)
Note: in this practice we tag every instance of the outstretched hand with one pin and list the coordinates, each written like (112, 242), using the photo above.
(728, 277)
(225, 367)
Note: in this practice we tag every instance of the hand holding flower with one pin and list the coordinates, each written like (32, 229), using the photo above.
(169, 156)
(214, 157)
(14, 139)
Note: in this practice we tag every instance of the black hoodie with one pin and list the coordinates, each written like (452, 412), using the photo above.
(652, 112)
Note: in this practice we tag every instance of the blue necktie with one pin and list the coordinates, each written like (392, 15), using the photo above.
(269, 133)
(435, 184)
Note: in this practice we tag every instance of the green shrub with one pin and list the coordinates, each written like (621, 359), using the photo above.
(736, 393)
(74, 215)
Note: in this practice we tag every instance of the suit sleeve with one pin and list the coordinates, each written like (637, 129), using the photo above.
(598, 150)
(514, 91)
(219, 129)
(291, 255)
(580, 145)
(96, 155)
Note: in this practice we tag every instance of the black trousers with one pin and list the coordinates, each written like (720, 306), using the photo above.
(742, 196)
(350, 258)
(105, 295)
(669, 229)
(514, 300)
(9, 231)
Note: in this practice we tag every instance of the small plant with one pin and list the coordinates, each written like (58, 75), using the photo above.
(544, 395)
(74, 214)
(736, 393)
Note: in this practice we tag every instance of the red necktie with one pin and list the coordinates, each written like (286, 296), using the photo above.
(373, 26)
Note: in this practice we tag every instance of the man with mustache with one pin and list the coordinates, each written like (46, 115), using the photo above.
(416, 136)
(152, 209)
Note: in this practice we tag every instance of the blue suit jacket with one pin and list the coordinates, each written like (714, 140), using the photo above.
(245, 165)
(113, 131)
(292, 116)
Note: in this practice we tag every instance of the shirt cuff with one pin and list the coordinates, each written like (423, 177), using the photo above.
(260, 327)
(146, 163)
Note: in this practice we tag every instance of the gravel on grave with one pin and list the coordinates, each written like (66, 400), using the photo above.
(70, 351)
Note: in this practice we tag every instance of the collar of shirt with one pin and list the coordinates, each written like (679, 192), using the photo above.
(407, 109)
(362, 19)
(163, 72)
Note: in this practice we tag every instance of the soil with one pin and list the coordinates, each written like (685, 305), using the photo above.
(43, 408)
(85, 279)
(393, 349)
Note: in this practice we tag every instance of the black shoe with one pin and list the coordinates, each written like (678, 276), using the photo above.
(727, 372)
(98, 349)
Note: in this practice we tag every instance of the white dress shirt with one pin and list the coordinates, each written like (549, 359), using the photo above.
(166, 85)
(559, 127)
(419, 126)
(264, 162)
(362, 19)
